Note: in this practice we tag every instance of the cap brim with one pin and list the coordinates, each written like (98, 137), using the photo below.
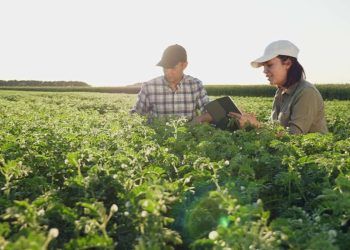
(166, 65)
(259, 62)
(160, 63)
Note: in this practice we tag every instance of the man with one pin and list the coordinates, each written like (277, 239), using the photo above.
(174, 93)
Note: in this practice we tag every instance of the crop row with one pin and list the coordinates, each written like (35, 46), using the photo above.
(79, 172)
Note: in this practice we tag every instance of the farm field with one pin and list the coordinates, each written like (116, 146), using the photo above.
(77, 171)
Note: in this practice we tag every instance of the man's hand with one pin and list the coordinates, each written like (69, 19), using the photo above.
(245, 119)
(203, 118)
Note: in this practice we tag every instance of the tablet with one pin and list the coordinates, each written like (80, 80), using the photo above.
(219, 110)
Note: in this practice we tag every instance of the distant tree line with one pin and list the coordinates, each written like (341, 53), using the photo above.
(34, 83)
(328, 91)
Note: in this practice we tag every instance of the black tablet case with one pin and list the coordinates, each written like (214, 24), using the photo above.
(219, 109)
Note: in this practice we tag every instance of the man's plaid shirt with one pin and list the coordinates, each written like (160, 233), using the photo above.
(156, 98)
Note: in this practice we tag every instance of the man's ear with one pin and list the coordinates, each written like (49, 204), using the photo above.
(184, 65)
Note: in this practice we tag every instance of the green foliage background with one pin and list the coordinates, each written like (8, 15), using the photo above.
(68, 158)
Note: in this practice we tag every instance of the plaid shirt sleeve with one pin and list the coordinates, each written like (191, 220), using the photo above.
(202, 98)
(142, 105)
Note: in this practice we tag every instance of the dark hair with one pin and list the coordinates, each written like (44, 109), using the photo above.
(295, 72)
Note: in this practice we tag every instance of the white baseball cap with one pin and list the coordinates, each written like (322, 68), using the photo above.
(277, 48)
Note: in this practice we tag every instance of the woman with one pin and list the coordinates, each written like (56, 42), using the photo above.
(298, 105)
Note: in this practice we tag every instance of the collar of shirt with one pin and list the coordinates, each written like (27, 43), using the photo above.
(291, 89)
(178, 86)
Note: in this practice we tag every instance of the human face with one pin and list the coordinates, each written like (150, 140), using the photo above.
(276, 71)
(174, 75)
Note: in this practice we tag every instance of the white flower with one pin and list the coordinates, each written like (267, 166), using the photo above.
(163, 208)
(284, 237)
(238, 220)
(126, 213)
(87, 228)
(66, 161)
(332, 233)
(41, 212)
(127, 204)
(267, 235)
(187, 180)
(145, 203)
(213, 235)
(114, 208)
(144, 214)
(259, 202)
(227, 163)
(53, 233)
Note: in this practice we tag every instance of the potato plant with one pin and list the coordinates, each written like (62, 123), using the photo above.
(78, 171)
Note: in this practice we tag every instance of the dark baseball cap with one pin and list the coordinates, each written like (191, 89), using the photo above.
(172, 56)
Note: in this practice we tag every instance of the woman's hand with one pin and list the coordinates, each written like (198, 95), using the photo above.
(245, 119)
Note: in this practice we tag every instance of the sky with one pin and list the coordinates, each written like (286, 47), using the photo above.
(115, 43)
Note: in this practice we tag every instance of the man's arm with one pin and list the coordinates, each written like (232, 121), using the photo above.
(203, 118)
(202, 98)
(245, 119)
(142, 105)
(201, 101)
